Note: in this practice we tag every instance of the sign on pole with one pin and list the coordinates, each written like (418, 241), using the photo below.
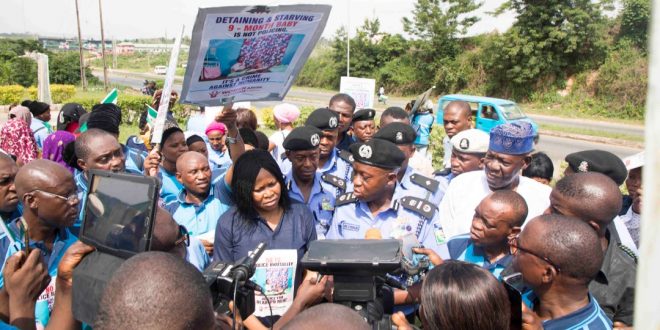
(249, 53)
(164, 105)
(362, 90)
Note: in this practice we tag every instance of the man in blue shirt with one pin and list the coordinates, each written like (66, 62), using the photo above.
(422, 122)
(303, 181)
(558, 269)
(344, 105)
(48, 194)
(201, 203)
(334, 164)
(40, 117)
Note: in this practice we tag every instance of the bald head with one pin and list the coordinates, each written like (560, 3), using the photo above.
(189, 159)
(570, 243)
(41, 174)
(459, 107)
(153, 290)
(457, 117)
(327, 316)
(514, 202)
(592, 197)
(165, 232)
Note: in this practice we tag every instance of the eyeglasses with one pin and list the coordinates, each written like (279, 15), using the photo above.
(184, 237)
(68, 199)
(514, 247)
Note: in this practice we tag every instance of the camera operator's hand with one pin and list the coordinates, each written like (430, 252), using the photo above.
(311, 292)
(530, 321)
(25, 278)
(225, 322)
(400, 321)
(434, 258)
(72, 257)
(152, 162)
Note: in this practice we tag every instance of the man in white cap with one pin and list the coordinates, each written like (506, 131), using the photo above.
(469, 147)
(632, 203)
(284, 115)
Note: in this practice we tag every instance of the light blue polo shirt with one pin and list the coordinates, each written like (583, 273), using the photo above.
(321, 202)
(9, 247)
(196, 254)
(203, 218)
(589, 317)
(217, 158)
(170, 186)
(462, 248)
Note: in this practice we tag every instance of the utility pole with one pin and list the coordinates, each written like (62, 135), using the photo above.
(348, 40)
(83, 80)
(105, 66)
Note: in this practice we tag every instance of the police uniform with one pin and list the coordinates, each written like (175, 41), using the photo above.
(406, 215)
(338, 169)
(412, 182)
(363, 114)
(471, 141)
(321, 202)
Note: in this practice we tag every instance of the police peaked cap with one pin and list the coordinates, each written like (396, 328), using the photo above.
(599, 161)
(303, 138)
(379, 153)
(397, 133)
(323, 119)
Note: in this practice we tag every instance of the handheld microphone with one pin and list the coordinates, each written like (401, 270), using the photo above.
(244, 269)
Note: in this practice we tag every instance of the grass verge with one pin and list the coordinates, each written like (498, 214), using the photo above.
(591, 132)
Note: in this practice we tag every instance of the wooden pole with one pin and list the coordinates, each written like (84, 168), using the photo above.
(648, 286)
(83, 81)
(105, 66)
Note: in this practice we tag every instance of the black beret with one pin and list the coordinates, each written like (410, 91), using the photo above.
(323, 119)
(599, 161)
(193, 138)
(36, 107)
(379, 153)
(364, 114)
(397, 133)
(302, 138)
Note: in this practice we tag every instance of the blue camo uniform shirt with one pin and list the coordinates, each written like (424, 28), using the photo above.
(170, 186)
(234, 239)
(352, 219)
(134, 159)
(462, 248)
(321, 203)
(63, 240)
(340, 168)
(421, 190)
(203, 218)
(589, 317)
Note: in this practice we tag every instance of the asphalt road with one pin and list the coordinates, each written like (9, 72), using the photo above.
(556, 147)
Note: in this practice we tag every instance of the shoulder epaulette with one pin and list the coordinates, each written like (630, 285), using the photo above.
(346, 155)
(418, 205)
(627, 251)
(429, 184)
(346, 198)
(335, 181)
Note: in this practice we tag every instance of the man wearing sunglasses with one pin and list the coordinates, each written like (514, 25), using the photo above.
(50, 205)
(558, 268)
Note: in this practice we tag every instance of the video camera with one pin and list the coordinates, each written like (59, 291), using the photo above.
(363, 278)
(229, 282)
(118, 221)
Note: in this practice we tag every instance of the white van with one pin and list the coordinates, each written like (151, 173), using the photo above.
(160, 69)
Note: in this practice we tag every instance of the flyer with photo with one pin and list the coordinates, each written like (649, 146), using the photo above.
(276, 274)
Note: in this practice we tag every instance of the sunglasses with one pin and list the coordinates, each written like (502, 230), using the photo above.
(514, 247)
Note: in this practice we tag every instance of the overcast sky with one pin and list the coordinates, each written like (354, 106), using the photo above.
(127, 19)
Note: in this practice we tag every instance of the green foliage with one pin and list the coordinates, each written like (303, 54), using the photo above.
(23, 71)
(11, 94)
(635, 19)
(131, 105)
(64, 68)
(436, 145)
(59, 93)
(268, 122)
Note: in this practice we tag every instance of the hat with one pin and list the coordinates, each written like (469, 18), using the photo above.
(114, 109)
(397, 133)
(302, 138)
(216, 126)
(364, 114)
(286, 113)
(599, 161)
(471, 141)
(70, 112)
(378, 152)
(323, 119)
(104, 120)
(194, 138)
(36, 107)
(634, 161)
(514, 138)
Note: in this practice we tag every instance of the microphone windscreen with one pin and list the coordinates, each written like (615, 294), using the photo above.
(373, 233)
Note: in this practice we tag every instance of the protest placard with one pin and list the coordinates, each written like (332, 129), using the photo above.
(362, 90)
(249, 53)
(276, 273)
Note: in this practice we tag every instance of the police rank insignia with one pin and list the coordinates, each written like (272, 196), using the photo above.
(426, 183)
(418, 206)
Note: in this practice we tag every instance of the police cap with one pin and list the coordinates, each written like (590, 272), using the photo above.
(364, 114)
(379, 153)
(323, 119)
(303, 138)
(600, 161)
(397, 133)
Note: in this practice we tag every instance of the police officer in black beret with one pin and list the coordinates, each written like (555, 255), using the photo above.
(334, 164)
(410, 182)
(600, 161)
(303, 181)
(363, 125)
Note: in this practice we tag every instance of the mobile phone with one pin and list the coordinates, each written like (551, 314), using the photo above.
(26, 236)
(512, 284)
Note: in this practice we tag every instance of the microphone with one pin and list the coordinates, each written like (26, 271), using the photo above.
(244, 269)
(373, 233)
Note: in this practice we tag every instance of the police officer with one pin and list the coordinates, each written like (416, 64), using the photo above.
(363, 125)
(303, 181)
(334, 164)
(372, 210)
(410, 182)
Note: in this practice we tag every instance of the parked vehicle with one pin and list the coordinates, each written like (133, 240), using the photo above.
(160, 69)
(488, 112)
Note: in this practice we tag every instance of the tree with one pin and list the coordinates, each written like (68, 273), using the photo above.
(635, 22)
(549, 41)
(23, 71)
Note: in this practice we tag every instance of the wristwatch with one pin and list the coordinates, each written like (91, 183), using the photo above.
(230, 140)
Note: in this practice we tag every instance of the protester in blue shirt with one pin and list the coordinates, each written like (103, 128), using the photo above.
(196, 143)
(173, 145)
(558, 269)
(422, 122)
(48, 193)
(218, 153)
(303, 181)
(40, 121)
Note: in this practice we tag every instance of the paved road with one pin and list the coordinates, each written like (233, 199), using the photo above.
(556, 147)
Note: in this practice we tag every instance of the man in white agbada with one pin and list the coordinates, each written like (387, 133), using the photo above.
(508, 154)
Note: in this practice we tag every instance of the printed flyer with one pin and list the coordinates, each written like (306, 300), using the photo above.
(276, 272)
